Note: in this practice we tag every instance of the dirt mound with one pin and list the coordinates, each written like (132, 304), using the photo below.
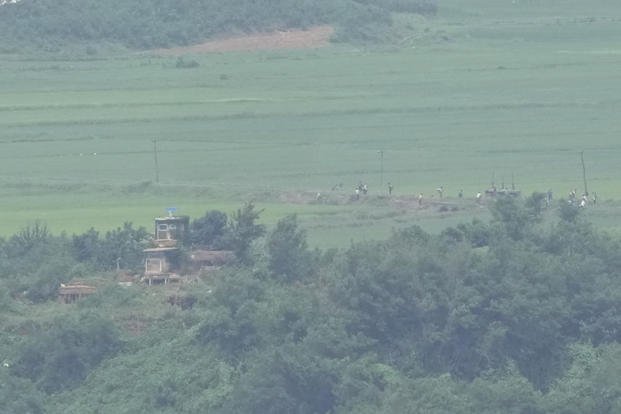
(314, 37)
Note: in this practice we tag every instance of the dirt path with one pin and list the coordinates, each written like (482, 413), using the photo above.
(314, 37)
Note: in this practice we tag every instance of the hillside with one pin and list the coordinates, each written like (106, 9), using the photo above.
(515, 316)
(145, 24)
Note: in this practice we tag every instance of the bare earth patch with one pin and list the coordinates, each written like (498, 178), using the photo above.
(314, 37)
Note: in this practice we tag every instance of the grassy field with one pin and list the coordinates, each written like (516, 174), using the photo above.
(509, 91)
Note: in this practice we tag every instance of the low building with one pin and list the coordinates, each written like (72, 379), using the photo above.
(72, 292)
(209, 259)
(162, 265)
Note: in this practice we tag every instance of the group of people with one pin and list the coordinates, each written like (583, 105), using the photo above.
(583, 200)
(361, 188)
(574, 199)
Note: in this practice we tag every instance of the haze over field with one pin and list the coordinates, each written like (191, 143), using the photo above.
(385, 198)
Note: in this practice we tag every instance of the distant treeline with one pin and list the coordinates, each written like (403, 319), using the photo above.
(159, 23)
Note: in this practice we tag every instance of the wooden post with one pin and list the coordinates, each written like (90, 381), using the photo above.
(586, 191)
(381, 152)
(157, 167)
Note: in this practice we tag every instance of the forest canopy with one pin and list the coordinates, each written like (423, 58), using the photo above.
(518, 315)
(145, 24)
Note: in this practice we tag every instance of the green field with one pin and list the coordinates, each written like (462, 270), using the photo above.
(492, 90)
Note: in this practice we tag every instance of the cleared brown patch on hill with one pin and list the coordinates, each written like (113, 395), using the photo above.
(314, 37)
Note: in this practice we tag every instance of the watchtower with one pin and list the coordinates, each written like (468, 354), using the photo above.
(163, 261)
(171, 230)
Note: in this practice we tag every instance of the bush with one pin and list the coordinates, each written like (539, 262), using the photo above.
(61, 356)
(210, 230)
(186, 64)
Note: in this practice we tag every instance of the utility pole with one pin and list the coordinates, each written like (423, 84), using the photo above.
(381, 153)
(157, 166)
(586, 191)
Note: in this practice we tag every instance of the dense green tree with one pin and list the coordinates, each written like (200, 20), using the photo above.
(230, 321)
(289, 257)
(288, 379)
(516, 217)
(244, 230)
(591, 385)
(210, 230)
(121, 247)
(61, 355)
(125, 244)
(34, 262)
(365, 384)
(86, 246)
(508, 393)
(18, 395)
(519, 315)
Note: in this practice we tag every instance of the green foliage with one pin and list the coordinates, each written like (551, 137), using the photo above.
(123, 245)
(590, 385)
(289, 258)
(86, 246)
(512, 216)
(34, 263)
(28, 238)
(365, 384)
(508, 393)
(61, 355)
(476, 232)
(210, 230)
(244, 230)
(378, 285)
(19, 396)
(520, 315)
(568, 211)
(231, 319)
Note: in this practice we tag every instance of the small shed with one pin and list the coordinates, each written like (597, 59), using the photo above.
(159, 260)
(210, 259)
(162, 265)
(73, 292)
